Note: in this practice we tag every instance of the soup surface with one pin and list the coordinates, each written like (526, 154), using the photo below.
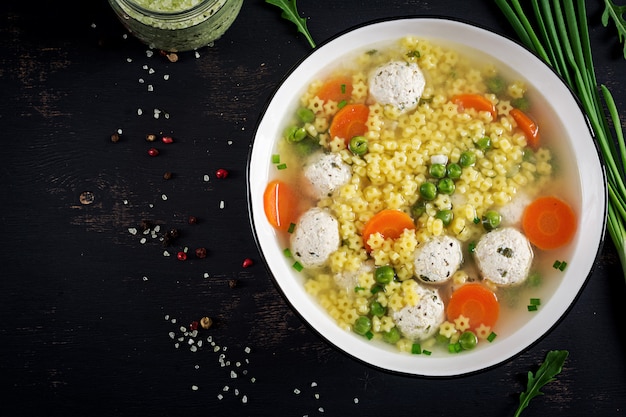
(416, 193)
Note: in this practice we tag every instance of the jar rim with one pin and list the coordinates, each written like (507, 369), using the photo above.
(202, 5)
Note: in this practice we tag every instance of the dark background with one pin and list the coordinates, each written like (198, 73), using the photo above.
(88, 311)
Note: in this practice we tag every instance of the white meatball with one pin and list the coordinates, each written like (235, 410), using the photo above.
(511, 214)
(421, 321)
(325, 173)
(314, 238)
(438, 259)
(350, 279)
(398, 83)
(504, 256)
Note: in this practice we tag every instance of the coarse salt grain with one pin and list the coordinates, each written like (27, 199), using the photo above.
(194, 387)
(233, 374)
(119, 131)
(220, 396)
(149, 53)
(163, 197)
(129, 60)
(125, 202)
(356, 400)
(166, 77)
(139, 112)
(296, 391)
(151, 71)
(206, 178)
(141, 81)
(150, 87)
(166, 253)
(221, 204)
(244, 399)
(197, 54)
(172, 335)
(142, 240)
(132, 230)
(145, 278)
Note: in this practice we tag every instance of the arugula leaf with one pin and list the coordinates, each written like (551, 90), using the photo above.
(616, 13)
(546, 373)
(290, 12)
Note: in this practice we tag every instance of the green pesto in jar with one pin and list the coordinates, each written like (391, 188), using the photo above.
(177, 25)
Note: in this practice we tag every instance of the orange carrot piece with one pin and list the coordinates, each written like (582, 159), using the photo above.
(336, 89)
(475, 101)
(549, 222)
(475, 302)
(528, 126)
(350, 121)
(389, 223)
(281, 204)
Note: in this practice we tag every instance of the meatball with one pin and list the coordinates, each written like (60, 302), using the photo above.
(504, 256)
(398, 83)
(438, 259)
(421, 321)
(315, 237)
(325, 173)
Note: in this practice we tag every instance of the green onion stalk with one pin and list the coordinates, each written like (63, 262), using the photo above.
(560, 37)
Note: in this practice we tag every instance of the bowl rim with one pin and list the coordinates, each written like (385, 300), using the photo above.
(397, 366)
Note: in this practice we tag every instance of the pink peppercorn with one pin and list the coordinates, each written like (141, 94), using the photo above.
(153, 151)
(167, 139)
(247, 262)
(221, 173)
(182, 256)
(193, 325)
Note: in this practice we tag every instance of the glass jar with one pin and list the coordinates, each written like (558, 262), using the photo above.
(177, 25)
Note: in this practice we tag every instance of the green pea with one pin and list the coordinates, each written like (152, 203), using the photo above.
(468, 340)
(377, 309)
(392, 336)
(306, 146)
(467, 159)
(454, 171)
(428, 191)
(295, 134)
(384, 274)
(362, 325)
(306, 115)
(484, 143)
(496, 84)
(520, 103)
(358, 145)
(446, 186)
(418, 209)
(491, 220)
(445, 216)
(437, 170)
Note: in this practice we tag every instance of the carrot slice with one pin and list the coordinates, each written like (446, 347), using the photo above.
(336, 89)
(350, 121)
(281, 204)
(475, 101)
(475, 302)
(528, 126)
(389, 223)
(549, 222)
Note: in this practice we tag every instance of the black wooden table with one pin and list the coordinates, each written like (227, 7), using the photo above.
(98, 321)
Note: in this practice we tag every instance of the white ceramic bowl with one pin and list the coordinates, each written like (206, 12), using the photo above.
(558, 104)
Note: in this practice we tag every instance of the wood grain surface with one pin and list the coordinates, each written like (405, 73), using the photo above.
(96, 321)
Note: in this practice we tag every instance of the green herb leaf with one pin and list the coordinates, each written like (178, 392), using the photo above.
(546, 373)
(290, 12)
(616, 13)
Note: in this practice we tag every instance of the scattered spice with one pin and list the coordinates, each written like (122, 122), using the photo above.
(200, 253)
(86, 197)
(172, 57)
(221, 173)
(206, 322)
(193, 325)
(146, 225)
(192, 220)
(167, 175)
(232, 283)
(167, 139)
(182, 256)
(153, 152)
(115, 137)
(169, 237)
(150, 137)
(247, 263)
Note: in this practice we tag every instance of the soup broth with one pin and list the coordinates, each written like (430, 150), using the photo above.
(507, 173)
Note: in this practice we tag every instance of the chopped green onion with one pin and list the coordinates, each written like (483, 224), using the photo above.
(532, 307)
(535, 301)
(416, 349)
(556, 264)
(357, 289)
(454, 347)
(292, 226)
(562, 266)
(281, 166)
(471, 247)
(275, 159)
(426, 352)
(343, 89)
(491, 337)
(341, 104)
(287, 252)
(369, 335)
(562, 41)
(297, 266)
